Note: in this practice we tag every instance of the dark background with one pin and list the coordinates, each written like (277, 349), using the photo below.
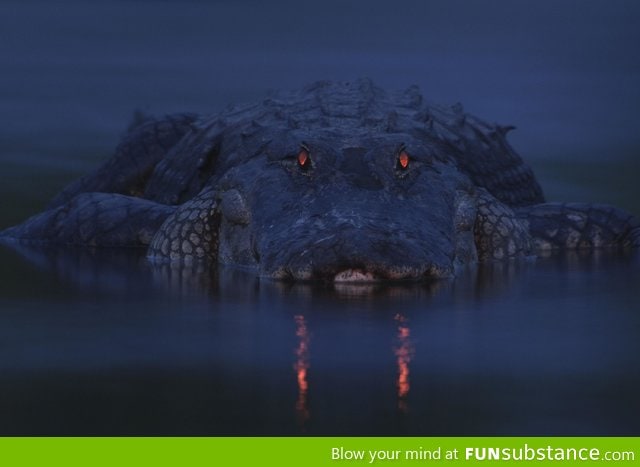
(566, 73)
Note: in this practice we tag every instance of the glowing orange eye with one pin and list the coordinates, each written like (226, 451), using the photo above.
(403, 160)
(303, 158)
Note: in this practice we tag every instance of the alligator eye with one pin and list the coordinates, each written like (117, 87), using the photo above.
(304, 161)
(403, 160)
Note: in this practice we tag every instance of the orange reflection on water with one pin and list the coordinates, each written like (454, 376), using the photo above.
(403, 352)
(301, 366)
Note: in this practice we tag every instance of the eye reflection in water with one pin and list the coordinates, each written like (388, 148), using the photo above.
(301, 366)
(404, 353)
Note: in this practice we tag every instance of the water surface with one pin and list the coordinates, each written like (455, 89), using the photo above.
(98, 343)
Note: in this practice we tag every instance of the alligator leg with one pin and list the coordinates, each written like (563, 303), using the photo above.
(94, 219)
(128, 171)
(499, 233)
(580, 225)
(190, 233)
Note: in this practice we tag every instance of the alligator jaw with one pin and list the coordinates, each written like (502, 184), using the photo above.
(354, 275)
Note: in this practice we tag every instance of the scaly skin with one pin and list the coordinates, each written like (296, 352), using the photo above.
(230, 189)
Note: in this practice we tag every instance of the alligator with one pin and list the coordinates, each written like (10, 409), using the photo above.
(342, 182)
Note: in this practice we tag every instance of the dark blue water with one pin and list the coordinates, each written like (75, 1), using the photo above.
(106, 344)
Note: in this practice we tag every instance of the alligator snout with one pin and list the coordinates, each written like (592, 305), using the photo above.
(354, 255)
(355, 275)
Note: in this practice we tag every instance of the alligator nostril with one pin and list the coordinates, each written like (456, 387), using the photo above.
(355, 275)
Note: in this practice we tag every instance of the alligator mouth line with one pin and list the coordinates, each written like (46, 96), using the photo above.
(349, 276)
(359, 274)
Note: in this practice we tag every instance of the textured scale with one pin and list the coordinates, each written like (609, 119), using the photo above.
(177, 173)
(337, 181)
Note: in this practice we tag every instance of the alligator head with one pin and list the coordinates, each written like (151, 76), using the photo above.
(332, 207)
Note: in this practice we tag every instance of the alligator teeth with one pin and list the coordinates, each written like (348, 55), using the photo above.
(354, 275)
